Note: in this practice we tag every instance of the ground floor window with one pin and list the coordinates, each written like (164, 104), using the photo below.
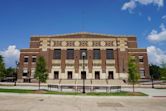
(110, 75)
(97, 75)
(56, 75)
(69, 74)
(142, 73)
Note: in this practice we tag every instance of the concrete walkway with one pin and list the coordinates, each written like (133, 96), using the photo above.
(37, 102)
(151, 92)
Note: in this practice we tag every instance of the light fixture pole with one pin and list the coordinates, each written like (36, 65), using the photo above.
(83, 76)
(152, 81)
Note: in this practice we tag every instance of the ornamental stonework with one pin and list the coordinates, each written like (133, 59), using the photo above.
(57, 43)
(70, 43)
(109, 43)
(96, 43)
(77, 43)
(83, 43)
(64, 43)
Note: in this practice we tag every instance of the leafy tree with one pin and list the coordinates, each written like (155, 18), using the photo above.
(133, 72)
(2, 68)
(10, 71)
(41, 73)
(154, 71)
(163, 71)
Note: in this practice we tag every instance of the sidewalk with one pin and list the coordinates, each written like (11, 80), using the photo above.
(151, 92)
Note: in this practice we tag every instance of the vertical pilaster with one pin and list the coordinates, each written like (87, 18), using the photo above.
(103, 60)
(90, 60)
(63, 60)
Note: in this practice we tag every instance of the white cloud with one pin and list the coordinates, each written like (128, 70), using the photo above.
(11, 55)
(129, 5)
(149, 18)
(156, 55)
(158, 36)
(164, 17)
(133, 3)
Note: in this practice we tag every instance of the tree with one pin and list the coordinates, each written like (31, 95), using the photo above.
(2, 68)
(41, 73)
(10, 71)
(163, 71)
(154, 71)
(133, 72)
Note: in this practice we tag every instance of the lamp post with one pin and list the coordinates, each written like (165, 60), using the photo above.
(83, 57)
(152, 81)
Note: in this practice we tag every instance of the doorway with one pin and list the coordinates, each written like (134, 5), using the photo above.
(83, 74)
(69, 75)
(110, 75)
(56, 75)
(97, 75)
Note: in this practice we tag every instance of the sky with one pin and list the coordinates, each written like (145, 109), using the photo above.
(20, 19)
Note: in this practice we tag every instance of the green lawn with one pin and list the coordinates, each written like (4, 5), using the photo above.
(122, 93)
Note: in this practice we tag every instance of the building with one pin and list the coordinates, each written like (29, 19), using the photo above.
(106, 56)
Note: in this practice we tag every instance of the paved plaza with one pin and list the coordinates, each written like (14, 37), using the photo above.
(34, 102)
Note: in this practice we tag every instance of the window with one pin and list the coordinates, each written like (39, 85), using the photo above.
(70, 53)
(33, 59)
(25, 72)
(56, 75)
(69, 74)
(57, 54)
(109, 54)
(141, 59)
(142, 73)
(81, 51)
(32, 73)
(96, 54)
(26, 59)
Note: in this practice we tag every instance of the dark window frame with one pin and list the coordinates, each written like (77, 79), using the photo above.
(109, 54)
(26, 59)
(57, 54)
(70, 54)
(96, 54)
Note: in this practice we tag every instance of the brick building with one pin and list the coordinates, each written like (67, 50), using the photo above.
(106, 56)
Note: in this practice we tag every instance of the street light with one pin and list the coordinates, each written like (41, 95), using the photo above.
(83, 57)
(152, 80)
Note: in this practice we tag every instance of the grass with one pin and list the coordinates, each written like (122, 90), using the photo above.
(122, 93)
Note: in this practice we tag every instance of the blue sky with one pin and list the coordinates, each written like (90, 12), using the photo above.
(19, 19)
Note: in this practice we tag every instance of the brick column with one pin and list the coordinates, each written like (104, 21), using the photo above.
(146, 66)
(76, 60)
(116, 60)
(90, 60)
(103, 60)
(63, 60)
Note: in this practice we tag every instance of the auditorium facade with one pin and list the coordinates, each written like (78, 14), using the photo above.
(83, 55)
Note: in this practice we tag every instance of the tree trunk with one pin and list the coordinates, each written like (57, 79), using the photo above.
(133, 88)
(39, 84)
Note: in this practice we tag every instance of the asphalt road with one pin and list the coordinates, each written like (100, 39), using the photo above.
(34, 102)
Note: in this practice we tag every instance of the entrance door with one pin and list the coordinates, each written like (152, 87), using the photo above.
(83, 74)
(110, 75)
(56, 75)
(97, 75)
(69, 74)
